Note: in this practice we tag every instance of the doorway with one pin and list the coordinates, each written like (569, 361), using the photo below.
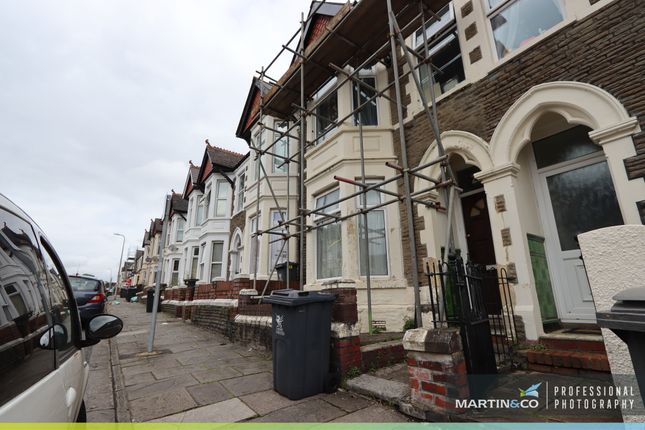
(575, 194)
(479, 237)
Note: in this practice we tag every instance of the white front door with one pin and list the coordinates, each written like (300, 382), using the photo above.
(575, 195)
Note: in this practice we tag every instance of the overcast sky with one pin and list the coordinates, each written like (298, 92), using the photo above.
(103, 102)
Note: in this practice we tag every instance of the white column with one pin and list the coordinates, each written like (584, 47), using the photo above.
(503, 181)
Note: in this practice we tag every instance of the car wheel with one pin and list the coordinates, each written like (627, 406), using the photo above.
(82, 414)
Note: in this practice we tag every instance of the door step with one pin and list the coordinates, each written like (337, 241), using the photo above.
(569, 353)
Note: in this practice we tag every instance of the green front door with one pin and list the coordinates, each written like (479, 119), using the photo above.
(542, 279)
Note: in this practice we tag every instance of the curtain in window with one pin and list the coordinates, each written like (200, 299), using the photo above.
(329, 251)
(377, 244)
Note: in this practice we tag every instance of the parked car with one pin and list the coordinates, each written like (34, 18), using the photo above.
(90, 295)
(43, 372)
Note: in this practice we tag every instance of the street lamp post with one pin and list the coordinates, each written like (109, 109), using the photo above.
(118, 273)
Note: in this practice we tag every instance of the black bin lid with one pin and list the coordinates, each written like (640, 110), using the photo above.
(290, 297)
(628, 313)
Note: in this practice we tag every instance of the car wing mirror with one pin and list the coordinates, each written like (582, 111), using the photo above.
(103, 326)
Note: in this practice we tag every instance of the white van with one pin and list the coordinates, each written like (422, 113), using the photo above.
(43, 372)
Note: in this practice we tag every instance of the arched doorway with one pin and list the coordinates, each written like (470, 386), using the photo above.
(575, 193)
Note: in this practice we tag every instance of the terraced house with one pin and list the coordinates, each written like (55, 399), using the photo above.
(540, 111)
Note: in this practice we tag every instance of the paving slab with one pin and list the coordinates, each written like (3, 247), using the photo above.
(166, 403)
(140, 378)
(249, 384)
(218, 374)
(269, 401)
(232, 410)
(348, 402)
(205, 394)
(143, 390)
(373, 413)
(312, 411)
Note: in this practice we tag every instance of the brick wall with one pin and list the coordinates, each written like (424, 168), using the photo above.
(604, 50)
(253, 333)
(216, 318)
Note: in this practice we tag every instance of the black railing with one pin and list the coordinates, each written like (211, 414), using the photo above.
(478, 301)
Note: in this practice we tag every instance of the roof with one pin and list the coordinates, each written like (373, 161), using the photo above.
(224, 158)
(251, 109)
(146, 238)
(355, 34)
(191, 180)
(156, 226)
(178, 204)
(319, 16)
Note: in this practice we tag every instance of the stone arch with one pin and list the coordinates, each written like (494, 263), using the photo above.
(579, 103)
(473, 149)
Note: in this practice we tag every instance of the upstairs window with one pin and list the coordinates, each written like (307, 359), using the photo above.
(239, 204)
(179, 234)
(221, 199)
(444, 50)
(327, 110)
(516, 23)
(280, 147)
(360, 95)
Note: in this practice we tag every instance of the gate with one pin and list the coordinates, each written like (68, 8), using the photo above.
(478, 301)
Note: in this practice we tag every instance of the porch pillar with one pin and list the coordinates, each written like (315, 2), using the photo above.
(509, 239)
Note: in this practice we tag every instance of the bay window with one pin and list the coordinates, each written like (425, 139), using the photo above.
(516, 23)
(329, 255)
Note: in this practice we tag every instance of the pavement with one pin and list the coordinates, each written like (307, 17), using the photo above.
(196, 375)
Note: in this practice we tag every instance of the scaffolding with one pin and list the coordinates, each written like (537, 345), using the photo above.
(358, 36)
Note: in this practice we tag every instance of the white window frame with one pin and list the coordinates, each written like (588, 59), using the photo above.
(437, 40)
(174, 273)
(319, 219)
(275, 246)
(275, 161)
(254, 260)
(325, 91)
(220, 185)
(202, 262)
(180, 223)
(385, 224)
(194, 263)
(491, 12)
(236, 255)
(239, 197)
(219, 262)
(365, 74)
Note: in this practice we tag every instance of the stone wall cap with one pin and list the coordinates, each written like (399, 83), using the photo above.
(444, 340)
(248, 292)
